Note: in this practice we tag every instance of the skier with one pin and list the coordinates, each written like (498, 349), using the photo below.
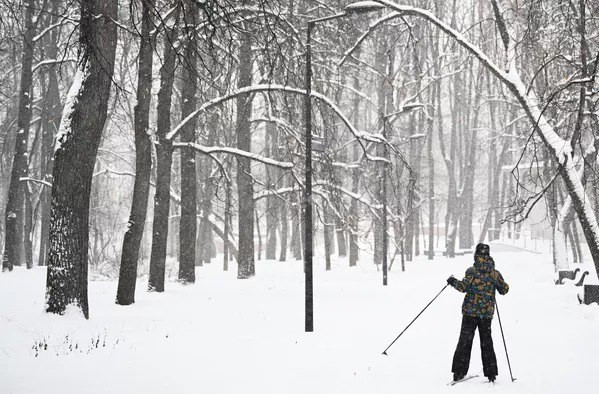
(479, 284)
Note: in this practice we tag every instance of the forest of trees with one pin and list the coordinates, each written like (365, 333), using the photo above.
(145, 138)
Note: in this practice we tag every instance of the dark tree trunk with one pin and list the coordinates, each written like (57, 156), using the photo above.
(412, 209)
(493, 173)
(493, 197)
(272, 202)
(16, 191)
(245, 189)
(354, 252)
(164, 158)
(341, 238)
(28, 228)
(328, 235)
(296, 238)
(451, 217)
(75, 156)
(6, 155)
(576, 243)
(431, 177)
(143, 163)
(258, 232)
(466, 235)
(380, 64)
(51, 121)
(499, 210)
(284, 218)
(284, 231)
(205, 236)
(227, 226)
(188, 222)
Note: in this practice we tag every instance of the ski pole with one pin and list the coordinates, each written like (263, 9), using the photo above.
(404, 330)
(504, 345)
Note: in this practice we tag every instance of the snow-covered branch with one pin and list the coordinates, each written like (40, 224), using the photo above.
(359, 135)
(361, 39)
(41, 182)
(209, 150)
(49, 62)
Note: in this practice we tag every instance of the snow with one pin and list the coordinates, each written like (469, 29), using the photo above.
(209, 150)
(223, 335)
(64, 131)
(362, 6)
(360, 135)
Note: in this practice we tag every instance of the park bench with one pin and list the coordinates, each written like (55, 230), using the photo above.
(591, 294)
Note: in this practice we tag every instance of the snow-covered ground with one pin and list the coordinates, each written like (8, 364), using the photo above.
(223, 335)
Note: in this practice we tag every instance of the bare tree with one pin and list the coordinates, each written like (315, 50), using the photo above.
(143, 161)
(14, 214)
(77, 144)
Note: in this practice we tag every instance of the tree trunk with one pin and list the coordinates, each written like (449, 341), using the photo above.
(272, 202)
(227, 223)
(205, 235)
(380, 64)
(296, 238)
(327, 234)
(77, 145)
(164, 157)
(412, 209)
(431, 178)
(341, 238)
(472, 148)
(16, 191)
(558, 239)
(354, 252)
(577, 248)
(259, 234)
(143, 163)
(245, 190)
(284, 231)
(28, 228)
(51, 121)
(188, 222)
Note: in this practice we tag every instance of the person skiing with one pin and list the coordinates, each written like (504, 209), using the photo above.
(479, 284)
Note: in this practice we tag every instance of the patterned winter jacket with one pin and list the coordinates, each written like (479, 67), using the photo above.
(479, 284)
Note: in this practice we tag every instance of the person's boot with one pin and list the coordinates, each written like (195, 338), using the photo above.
(458, 376)
(491, 379)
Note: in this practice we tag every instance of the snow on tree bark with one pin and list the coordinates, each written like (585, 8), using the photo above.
(74, 158)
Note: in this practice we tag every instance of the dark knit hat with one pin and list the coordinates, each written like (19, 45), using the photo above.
(482, 250)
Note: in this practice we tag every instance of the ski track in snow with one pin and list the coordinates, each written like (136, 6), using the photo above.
(224, 335)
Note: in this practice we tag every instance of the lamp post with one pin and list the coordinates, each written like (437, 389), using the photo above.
(352, 9)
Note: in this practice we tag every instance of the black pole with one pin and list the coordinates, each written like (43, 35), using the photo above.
(307, 191)
(404, 330)
(307, 194)
(504, 345)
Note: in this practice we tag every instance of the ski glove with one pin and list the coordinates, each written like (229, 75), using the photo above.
(451, 281)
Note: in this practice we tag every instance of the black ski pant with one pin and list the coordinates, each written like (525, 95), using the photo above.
(461, 357)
